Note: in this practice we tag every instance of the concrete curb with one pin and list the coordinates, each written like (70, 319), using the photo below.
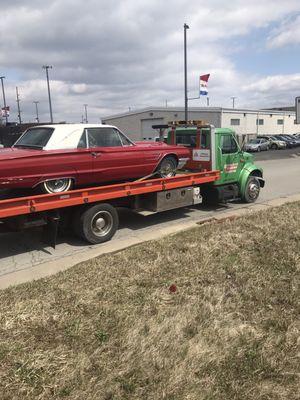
(52, 267)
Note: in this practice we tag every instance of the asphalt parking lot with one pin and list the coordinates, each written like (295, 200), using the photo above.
(277, 154)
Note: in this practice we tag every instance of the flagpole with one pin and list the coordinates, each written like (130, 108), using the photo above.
(185, 26)
(4, 101)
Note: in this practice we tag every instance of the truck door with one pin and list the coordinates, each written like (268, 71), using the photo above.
(230, 159)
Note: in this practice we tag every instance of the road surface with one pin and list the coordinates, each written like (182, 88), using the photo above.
(21, 251)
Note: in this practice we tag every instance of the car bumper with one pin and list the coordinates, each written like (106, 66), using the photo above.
(182, 162)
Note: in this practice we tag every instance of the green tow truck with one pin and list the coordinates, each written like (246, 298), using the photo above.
(216, 149)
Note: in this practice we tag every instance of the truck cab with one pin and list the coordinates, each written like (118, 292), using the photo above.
(218, 149)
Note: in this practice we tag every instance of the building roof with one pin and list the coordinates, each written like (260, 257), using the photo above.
(199, 109)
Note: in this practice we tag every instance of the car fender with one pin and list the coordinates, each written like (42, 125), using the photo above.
(250, 170)
(71, 175)
(164, 155)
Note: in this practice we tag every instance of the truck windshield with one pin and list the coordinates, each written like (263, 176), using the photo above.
(35, 138)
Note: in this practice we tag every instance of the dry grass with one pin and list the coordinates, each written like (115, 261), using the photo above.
(110, 329)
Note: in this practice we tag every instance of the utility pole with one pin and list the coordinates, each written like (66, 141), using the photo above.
(46, 67)
(85, 113)
(18, 103)
(233, 101)
(4, 101)
(37, 111)
(185, 27)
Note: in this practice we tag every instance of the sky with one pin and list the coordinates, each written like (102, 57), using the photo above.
(120, 55)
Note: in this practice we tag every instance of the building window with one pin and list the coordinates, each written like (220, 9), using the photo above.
(235, 121)
(280, 122)
(259, 121)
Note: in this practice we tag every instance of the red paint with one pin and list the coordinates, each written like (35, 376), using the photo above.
(26, 168)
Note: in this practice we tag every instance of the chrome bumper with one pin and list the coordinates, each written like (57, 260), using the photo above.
(182, 162)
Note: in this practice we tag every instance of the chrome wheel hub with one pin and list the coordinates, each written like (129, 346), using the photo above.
(253, 190)
(102, 223)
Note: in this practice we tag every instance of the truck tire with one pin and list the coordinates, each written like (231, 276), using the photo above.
(252, 190)
(96, 223)
(167, 167)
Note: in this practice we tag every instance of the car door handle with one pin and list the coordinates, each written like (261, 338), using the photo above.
(95, 154)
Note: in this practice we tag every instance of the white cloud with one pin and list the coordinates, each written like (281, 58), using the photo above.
(287, 34)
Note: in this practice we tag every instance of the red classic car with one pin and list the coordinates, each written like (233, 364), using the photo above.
(56, 158)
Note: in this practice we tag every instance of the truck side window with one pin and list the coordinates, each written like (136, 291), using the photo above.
(228, 144)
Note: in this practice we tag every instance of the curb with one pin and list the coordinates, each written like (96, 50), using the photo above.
(52, 267)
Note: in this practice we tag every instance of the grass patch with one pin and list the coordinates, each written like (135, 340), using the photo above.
(111, 329)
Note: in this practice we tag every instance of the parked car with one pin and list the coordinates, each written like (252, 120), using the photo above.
(293, 139)
(56, 158)
(257, 145)
(274, 142)
(290, 143)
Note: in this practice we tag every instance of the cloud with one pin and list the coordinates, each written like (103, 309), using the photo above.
(287, 34)
(119, 54)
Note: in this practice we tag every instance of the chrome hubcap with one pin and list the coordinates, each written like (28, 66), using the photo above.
(167, 170)
(253, 190)
(58, 185)
(102, 223)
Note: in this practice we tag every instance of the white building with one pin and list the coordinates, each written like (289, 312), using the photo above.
(246, 123)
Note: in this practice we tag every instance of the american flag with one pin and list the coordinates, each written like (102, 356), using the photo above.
(203, 84)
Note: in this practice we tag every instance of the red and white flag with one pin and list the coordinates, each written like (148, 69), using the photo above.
(203, 84)
(5, 111)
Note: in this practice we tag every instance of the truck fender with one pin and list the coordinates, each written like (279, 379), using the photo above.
(250, 170)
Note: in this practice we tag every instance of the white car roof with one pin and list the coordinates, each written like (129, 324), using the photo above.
(67, 136)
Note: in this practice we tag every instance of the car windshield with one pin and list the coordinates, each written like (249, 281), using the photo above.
(35, 138)
(254, 141)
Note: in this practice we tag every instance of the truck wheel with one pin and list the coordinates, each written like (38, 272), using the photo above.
(56, 185)
(167, 167)
(96, 223)
(252, 190)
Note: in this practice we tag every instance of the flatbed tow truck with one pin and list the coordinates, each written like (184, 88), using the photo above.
(218, 171)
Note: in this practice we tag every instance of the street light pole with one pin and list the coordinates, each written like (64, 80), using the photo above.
(46, 67)
(233, 101)
(4, 101)
(85, 113)
(18, 103)
(37, 111)
(185, 26)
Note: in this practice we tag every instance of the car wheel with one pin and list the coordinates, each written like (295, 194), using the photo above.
(97, 223)
(258, 149)
(252, 190)
(167, 167)
(57, 185)
(274, 146)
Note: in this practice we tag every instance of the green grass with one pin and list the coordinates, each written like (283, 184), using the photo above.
(110, 328)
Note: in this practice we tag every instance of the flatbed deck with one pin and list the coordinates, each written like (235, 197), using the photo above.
(39, 203)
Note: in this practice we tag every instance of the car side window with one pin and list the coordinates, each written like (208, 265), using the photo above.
(82, 141)
(103, 137)
(228, 144)
(124, 140)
